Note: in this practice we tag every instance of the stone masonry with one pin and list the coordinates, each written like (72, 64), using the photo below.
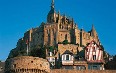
(27, 64)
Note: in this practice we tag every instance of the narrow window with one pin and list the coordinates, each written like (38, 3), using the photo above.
(60, 26)
(66, 37)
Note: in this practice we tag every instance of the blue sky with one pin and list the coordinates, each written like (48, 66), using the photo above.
(17, 16)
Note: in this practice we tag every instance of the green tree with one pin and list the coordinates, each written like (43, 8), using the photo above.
(58, 62)
(51, 48)
(65, 42)
(13, 53)
(38, 52)
(82, 54)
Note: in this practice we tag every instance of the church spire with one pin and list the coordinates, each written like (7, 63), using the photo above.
(93, 27)
(52, 4)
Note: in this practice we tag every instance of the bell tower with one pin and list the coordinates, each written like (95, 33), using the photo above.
(52, 14)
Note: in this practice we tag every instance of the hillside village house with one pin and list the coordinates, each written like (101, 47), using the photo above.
(94, 56)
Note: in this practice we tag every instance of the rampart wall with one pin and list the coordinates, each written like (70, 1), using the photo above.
(27, 64)
(82, 71)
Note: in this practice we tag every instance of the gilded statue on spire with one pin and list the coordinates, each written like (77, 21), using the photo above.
(52, 4)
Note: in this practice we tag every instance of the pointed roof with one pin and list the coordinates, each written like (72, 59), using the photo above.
(93, 42)
(93, 31)
(68, 52)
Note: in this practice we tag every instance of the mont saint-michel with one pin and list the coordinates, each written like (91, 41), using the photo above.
(59, 46)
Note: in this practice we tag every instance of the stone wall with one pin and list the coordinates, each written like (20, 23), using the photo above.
(71, 47)
(77, 36)
(26, 64)
(82, 71)
(64, 35)
(87, 38)
(37, 37)
(50, 34)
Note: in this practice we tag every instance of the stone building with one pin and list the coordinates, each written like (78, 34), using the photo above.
(27, 64)
(59, 28)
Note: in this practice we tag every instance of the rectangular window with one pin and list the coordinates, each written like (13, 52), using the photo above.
(94, 57)
(67, 57)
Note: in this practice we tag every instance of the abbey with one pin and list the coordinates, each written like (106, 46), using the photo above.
(66, 41)
(66, 46)
(59, 28)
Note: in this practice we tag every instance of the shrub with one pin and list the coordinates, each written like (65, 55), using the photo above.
(65, 42)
